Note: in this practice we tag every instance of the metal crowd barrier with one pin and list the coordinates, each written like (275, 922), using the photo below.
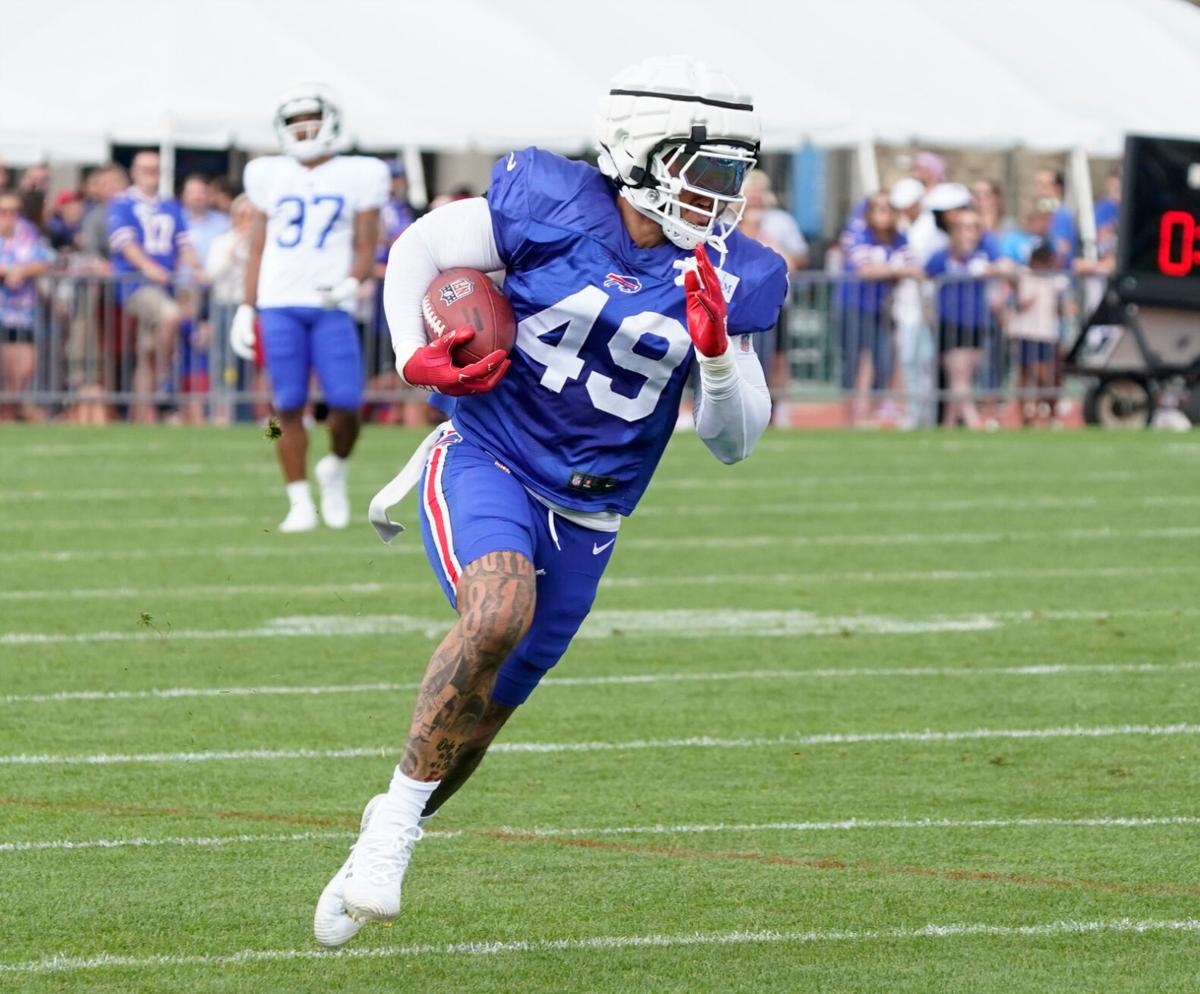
(101, 346)
(110, 346)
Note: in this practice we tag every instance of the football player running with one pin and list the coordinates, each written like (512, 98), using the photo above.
(616, 296)
(313, 243)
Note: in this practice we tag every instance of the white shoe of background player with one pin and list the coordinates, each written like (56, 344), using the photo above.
(377, 864)
(301, 518)
(331, 925)
(331, 482)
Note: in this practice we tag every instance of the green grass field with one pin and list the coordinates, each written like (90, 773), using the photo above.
(866, 713)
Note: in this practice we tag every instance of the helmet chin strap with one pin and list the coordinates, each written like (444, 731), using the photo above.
(678, 232)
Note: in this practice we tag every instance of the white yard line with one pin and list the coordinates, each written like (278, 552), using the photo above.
(714, 481)
(857, 824)
(72, 964)
(215, 590)
(699, 741)
(631, 679)
(134, 526)
(288, 548)
(845, 825)
(909, 505)
(656, 510)
(145, 493)
(211, 841)
(814, 577)
(679, 623)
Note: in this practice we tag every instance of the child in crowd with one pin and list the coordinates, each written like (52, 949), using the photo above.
(1042, 299)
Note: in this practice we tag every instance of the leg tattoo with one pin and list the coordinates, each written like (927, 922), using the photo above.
(495, 605)
(470, 755)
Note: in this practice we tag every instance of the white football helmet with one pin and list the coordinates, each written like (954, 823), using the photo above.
(671, 125)
(297, 138)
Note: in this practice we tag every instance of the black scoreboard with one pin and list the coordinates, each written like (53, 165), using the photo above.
(1158, 247)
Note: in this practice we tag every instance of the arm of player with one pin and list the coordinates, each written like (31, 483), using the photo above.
(242, 330)
(362, 268)
(458, 234)
(733, 405)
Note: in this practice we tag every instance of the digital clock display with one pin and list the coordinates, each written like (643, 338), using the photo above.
(1158, 253)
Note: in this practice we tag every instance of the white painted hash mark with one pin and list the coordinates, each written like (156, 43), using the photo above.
(698, 741)
(70, 964)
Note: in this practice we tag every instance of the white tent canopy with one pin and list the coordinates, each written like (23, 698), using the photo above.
(458, 74)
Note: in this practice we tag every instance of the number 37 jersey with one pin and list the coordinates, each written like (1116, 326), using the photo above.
(310, 222)
(602, 353)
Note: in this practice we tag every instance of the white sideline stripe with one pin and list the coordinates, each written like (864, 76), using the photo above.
(289, 549)
(848, 824)
(697, 741)
(63, 964)
(681, 623)
(635, 679)
(702, 579)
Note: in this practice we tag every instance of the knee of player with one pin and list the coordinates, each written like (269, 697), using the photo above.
(499, 631)
(496, 601)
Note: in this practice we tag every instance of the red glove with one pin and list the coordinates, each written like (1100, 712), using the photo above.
(432, 367)
(706, 315)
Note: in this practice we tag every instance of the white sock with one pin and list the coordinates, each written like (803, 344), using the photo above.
(411, 794)
(298, 493)
(337, 462)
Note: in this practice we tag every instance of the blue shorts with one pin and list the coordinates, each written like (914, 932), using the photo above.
(865, 331)
(297, 340)
(1032, 352)
(470, 506)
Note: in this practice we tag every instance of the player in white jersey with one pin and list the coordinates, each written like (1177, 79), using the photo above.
(313, 243)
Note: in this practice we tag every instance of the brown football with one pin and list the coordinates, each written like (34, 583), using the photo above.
(467, 297)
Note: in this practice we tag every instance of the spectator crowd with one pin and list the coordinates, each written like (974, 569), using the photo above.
(932, 296)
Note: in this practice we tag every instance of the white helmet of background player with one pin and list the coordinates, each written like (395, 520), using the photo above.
(671, 124)
(296, 137)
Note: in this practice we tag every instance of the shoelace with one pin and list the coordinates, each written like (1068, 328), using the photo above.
(387, 856)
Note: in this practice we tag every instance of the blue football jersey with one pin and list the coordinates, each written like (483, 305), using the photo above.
(155, 224)
(602, 353)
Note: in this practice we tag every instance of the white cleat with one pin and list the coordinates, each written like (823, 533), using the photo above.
(331, 925)
(301, 518)
(377, 864)
(331, 482)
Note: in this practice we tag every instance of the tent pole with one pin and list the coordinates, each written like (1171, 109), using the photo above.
(868, 167)
(1081, 182)
(414, 168)
(166, 157)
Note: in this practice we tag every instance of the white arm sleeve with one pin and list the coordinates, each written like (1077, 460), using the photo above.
(458, 234)
(733, 405)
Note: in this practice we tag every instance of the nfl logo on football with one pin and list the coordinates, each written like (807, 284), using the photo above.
(455, 290)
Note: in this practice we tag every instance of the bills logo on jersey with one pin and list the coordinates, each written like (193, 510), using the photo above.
(626, 284)
(455, 290)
